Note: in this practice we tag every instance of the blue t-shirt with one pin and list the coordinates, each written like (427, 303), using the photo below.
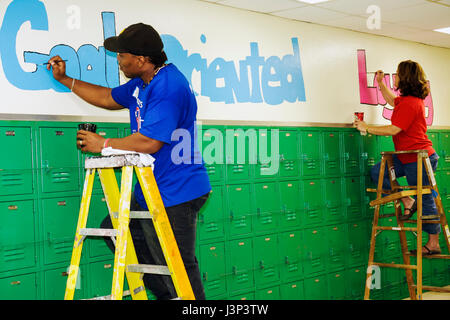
(166, 110)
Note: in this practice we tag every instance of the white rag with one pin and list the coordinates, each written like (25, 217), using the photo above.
(145, 158)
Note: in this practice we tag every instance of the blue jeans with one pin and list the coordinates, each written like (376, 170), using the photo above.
(410, 171)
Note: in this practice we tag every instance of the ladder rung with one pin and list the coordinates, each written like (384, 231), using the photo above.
(423, 221)
(432, 256)
(395, 228)
(431, 217)
(149, 268)
(435, 289)
(396, 196)
(375, 191)
(98, 232)
(136, 215)
(381, 216)
(394, 265)
(108, 297)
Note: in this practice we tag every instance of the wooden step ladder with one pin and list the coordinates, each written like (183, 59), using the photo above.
(125, 259)
(394, 195)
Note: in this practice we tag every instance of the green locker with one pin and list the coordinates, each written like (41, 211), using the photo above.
(385, 143)
(290, 251)
(19, 287)
(316, 288)
(434, 137)
(16, 174)
(444, 153)
(211, 218)
(353, 198)
(292, 291)
(59, 159)
(337, 246)
(98, 210)
(333, 200)
(239, 265)
(55, 281)
(60, 218)
(392, 276)
(266, 166)
(389, 240)
(356, 282)
(440, 272)
(290, 204)
(239, 209)
(243, 296)
(351, 150)
(359, 243)
(444, 184)
(331, 153)
(338, 288)
(368, 197)
(289, 160)
(369, 152)
(100, 278)
(270, 293)
(212, 145)
(267, 205)
(310, 152)
(240, 144)
(266, 261)
(313, 202)
(17, 235)
(212, 269)
(314, 251)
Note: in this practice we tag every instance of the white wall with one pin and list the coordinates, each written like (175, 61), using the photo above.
(328, 58)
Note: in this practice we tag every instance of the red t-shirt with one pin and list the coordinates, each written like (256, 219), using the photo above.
(409, 115)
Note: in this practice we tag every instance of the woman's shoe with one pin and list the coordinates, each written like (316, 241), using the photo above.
(412, 210)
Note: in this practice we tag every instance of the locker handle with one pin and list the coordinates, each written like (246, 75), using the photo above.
(15, 283)
(10, 133)
(234, 270)
(46, 166)
(12, 207)
(261, 264)
(286, 260)
(258, 212)
(346, 155)
(64, 274)
(205, 276)
(231, 215)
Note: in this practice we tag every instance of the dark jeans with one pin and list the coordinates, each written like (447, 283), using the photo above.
(183, 220)
(410, 171)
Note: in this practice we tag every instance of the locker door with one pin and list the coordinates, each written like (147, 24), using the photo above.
(337, 246)
(212, 269)
(55, 282)
(310, 152)
(211, 216)
(434, 137)
(290, 204)
(369, 153)
(98, 210)
(314, 250)
(17, 238)
(240, 265)
(59, 160)
(267, 163)
(316, 288)
(333, 199)
(290, 255)
(292, 291)
(444, 161)
(356, 281)
(239, 209)
(385, 143)
(60, 218)
(19, 287)
(100, 278)
(338, 288)
(213, 152)
(16, 168)
(267, 204)
(359, 243)
(238, 144)
(353, 198)
(351, 144)
(266, 262)
(313, 202)
(270, 293)
(289, 164)
(331, 153)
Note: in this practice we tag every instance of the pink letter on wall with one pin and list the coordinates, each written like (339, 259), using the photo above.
(368, 95)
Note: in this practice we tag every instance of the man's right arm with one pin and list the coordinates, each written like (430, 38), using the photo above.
(96, 95)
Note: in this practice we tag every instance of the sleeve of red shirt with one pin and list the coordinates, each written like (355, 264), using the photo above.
(403, 115)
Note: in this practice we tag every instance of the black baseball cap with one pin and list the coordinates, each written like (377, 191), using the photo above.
(139, 39)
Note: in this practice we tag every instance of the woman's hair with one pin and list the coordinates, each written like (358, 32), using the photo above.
(412, 80)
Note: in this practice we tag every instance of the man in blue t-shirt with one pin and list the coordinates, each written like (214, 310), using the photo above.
(162, 109)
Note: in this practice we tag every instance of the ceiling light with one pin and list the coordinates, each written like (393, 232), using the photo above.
(312, 1)
(443, 30)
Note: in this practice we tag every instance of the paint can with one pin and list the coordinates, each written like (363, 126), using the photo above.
(359, 116)
(87, 127)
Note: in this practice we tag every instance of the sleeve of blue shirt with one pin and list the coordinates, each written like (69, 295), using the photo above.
(161, 119)
(123, 94)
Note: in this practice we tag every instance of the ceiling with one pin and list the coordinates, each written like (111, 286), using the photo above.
(412, 20)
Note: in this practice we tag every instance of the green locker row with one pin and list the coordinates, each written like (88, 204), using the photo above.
(44, 158)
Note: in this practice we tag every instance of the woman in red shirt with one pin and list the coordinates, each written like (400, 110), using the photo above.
(408, 130)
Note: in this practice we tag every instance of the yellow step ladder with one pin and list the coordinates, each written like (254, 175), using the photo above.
(394, 195)
(125, 259)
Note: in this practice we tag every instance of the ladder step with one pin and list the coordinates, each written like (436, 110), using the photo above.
(394, 265)
(396, 196)
(98, 232)
(136, 215)
(395, 228)
(148, 268)
(433, 256)
(108, 297)
(435, 289)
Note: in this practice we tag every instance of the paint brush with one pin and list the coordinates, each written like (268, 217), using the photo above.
(56, 61)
